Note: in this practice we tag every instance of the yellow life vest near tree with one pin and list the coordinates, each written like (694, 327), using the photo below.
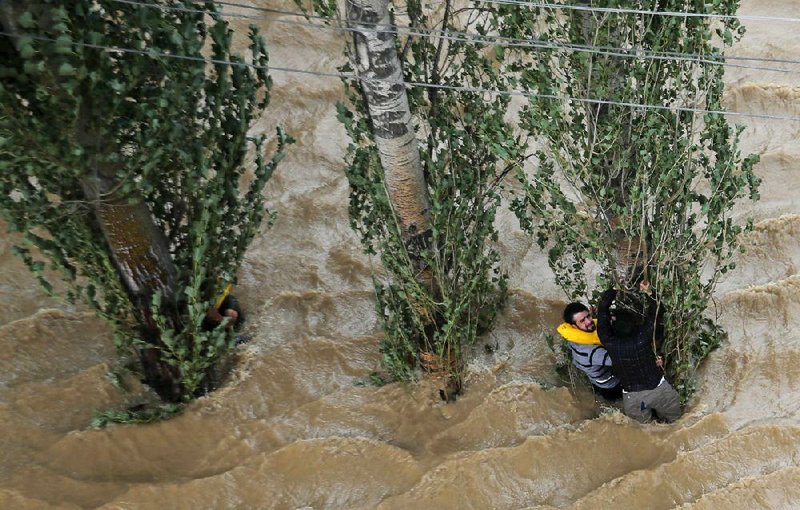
(221, 298)
(573, 334)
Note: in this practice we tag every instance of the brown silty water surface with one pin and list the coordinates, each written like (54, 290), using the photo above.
(294, 429)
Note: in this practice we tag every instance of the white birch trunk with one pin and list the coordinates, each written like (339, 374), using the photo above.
(381, 78)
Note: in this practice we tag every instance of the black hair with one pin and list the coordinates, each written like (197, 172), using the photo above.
(571, 310)
(626, 323)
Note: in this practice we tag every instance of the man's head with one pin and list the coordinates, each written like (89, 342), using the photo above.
(579, 317)
(625, 323)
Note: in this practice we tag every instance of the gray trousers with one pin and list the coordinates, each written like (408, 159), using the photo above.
(661, 402)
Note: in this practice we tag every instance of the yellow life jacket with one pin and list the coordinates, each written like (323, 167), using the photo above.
(225, 292)
(573, 334)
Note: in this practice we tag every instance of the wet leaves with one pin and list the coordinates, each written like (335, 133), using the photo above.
(609, 173)
(76, 110)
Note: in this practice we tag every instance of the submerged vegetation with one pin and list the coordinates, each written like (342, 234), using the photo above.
(139, 414)
(127, 172)
(637, 171)
(444, 284)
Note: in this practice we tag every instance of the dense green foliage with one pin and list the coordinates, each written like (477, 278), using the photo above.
(629, 193)
(466, 147)
(175, 132)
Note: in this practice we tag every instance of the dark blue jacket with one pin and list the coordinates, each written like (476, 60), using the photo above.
(634, 361)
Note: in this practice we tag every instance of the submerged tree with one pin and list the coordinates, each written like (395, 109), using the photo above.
(637, 192)
(122, 163)
(444, 285)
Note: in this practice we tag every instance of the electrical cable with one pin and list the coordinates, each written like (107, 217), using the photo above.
(352, 76)
(554, 6)
(619, 10)
(496, 40)
(616, 10)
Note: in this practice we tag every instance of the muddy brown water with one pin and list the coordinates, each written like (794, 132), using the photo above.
(295, 429)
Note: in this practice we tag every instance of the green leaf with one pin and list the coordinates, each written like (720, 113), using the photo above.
(66, 69)
(26, 20)
(25, 47)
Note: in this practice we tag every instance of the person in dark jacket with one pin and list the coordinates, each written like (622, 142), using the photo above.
(646, 394)
(226, 307)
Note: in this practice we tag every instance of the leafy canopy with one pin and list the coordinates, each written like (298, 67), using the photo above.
(128, 92)
(467, 147)
(629, 192)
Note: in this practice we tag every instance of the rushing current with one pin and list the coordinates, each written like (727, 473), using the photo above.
(299, 426)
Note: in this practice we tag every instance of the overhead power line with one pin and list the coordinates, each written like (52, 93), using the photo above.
(638, 53)
(619, 10)
(586, 8)
(353, 76)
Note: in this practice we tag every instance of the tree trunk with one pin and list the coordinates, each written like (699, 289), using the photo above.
(382, 84)
(630, 250)
(381, 78)
(142, 259)
(138, 247)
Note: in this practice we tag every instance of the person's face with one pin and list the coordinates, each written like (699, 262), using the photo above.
(583, 321)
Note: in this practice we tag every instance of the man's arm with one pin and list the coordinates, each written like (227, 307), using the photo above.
(600, 357)
(654, 319)
(604, 315)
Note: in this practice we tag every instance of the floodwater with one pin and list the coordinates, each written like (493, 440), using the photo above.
(299, 425)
